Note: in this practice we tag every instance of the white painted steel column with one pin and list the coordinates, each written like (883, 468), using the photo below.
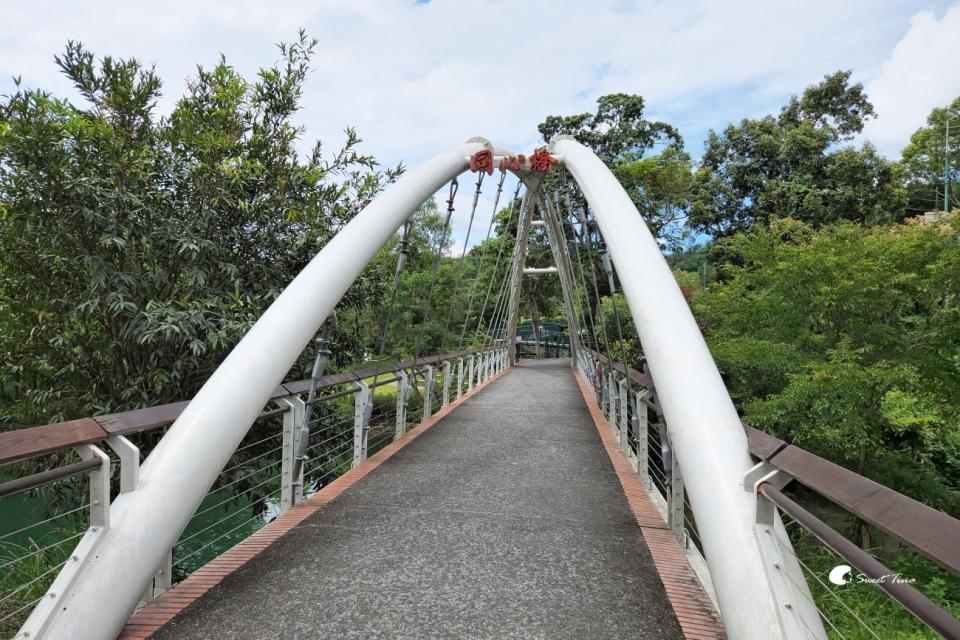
(146, 523)
(703, 424)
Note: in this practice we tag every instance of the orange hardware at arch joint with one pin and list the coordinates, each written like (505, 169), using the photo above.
(513, 163)
(541, 161)
(482, 161)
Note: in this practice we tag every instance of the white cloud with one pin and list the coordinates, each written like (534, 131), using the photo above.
(921, 73)
(415, 79)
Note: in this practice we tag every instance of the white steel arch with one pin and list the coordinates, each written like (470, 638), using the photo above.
(705, 430)
(145, 523)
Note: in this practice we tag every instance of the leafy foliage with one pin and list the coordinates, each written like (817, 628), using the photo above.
(923, 160)
(791, 166)
(137, 249)
(844, 341)
(659, 184)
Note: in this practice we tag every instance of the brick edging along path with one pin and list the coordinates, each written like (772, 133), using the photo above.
(154, 615)
(695, 612)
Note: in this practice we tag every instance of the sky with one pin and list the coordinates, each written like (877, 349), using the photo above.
(415, 78)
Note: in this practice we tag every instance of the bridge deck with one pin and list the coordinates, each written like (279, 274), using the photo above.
(505, 520)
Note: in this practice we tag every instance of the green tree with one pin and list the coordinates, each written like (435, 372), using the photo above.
(659, 186)
(844, 340)
(137, 249)
(923, 160)
(624, 139)
(792, 165)
(618, 132)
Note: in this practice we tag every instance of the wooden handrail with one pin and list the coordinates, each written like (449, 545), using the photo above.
(35, 441)
(933, 533)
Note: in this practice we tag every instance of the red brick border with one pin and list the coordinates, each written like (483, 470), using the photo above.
(150, 618)
(695, 612)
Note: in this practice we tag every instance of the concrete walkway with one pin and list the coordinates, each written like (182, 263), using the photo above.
(505, 520)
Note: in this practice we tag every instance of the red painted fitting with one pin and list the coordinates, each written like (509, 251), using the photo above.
(482, 161)
(541, 161)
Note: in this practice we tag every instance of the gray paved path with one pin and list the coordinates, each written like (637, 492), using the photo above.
(505, 520)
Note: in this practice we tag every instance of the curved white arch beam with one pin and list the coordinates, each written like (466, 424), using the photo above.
(145, 523)
(704, 427)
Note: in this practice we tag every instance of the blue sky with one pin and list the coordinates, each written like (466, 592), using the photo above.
(415, 78)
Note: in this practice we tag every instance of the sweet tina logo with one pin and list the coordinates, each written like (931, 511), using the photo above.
(840, 574)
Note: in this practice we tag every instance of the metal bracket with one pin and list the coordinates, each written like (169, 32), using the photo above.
(129, 456)
(641, 429)
(296, 433)
(427, 392)
(764, 472)
(446, 383)
(624, 414)
(403, 394)
(361, 417)
(470, 377)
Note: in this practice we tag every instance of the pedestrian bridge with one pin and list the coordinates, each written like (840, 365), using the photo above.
(502, 517)
(467, 494)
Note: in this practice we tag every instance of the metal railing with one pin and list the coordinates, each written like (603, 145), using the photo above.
(355, 414)
(628, 401)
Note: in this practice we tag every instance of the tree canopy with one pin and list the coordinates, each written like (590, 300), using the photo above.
(796, 165)
(137, 249)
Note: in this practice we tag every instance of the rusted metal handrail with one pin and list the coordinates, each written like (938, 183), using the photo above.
(933, 533)
(35, 480)
(912, 600)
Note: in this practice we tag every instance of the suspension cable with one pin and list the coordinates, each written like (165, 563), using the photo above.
(466, 243)
(586, 314)
(608, 267)
(500, 315)
(402, 257)
(496, 267)
(441, 242)
(584, 234)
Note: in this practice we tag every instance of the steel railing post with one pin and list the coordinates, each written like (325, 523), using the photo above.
(361, 419)
(470, 375)
(99, 486)
(291, 488)
(612, 399)
(642, 429)
(675, 504)
(403, 393)
(604, 393)
(459, 378)
(427, 391)
(129, 456)
(624, 414)
(162, 579)
(446, 383)
(99, 514)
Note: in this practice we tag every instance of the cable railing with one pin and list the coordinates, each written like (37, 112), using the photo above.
(356, 414)
(816, 548)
